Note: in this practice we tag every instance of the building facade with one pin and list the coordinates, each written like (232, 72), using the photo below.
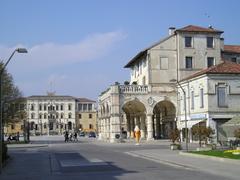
(86, 115)
(53, 115)
(149, 100)
(212, 99)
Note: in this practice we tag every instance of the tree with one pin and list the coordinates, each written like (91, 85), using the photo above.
(10, 92)
(203, 133)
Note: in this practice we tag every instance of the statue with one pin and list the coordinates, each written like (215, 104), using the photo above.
(137, 134)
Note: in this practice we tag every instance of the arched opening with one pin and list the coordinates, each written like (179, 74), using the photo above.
(135, 114)
(164, 114)
(69, 125)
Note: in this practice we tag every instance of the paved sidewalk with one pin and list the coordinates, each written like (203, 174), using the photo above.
(227, 168)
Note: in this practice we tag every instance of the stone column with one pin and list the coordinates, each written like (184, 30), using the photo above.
(149, 127)
(158, 133)
(115, 128)
(128, 126)
(142, 127)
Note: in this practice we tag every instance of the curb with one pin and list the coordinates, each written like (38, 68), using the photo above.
(28, 146)
(210, 157)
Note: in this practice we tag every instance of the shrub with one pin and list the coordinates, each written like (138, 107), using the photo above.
(174, 135)
(126, 83)
(237, 133)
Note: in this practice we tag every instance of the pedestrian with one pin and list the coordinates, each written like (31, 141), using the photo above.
(75, 136)
(66, 136)
(70, 136)
(17, 136)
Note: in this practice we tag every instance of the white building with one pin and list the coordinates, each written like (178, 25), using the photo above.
(212, 98)
(51, 114)
(150, 99)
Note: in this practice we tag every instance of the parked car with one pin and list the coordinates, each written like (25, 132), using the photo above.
(92, 135)
(82, 134)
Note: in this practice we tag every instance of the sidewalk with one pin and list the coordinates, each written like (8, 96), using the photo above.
(227, 168)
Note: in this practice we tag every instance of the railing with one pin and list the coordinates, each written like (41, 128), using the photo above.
(133, 89)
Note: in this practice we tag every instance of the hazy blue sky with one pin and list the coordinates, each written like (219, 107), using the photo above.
(81, 46)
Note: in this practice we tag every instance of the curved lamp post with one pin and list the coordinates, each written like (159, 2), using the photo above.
(18, 50)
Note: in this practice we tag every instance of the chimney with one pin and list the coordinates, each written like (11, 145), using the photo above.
(171, 31)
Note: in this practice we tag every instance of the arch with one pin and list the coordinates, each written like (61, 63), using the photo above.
(164, 114)
(135, 112)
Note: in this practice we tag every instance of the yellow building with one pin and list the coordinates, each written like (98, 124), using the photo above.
(86, 115)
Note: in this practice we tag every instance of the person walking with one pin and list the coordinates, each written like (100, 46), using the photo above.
(75, 137)
(137, 134)
(66, 136)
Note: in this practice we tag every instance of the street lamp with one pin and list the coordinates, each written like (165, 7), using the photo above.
(185, 110)
(18, 50)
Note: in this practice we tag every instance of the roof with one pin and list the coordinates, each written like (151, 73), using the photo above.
(232, 48)
(192, 28)
(85, 100)
(234, 121)
(226, 67)
(54, 97)
(141, 53)
(189, 28)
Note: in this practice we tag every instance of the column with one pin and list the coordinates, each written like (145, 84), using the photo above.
(128, 127)
(149, 127)
(143, 128)
(158, 133)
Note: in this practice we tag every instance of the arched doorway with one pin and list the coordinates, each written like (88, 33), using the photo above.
(135, 115)
(164, 114)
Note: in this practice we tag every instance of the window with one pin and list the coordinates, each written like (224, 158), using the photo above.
(12, 126)
(89, 107)
(32, 107)
(90, 126)
(192, 99)
(234, 59)
(79, 107)
(188, 62)
(90, 116)
(80, 126)
(62, 116)
(210, 43)
(61, 107)
(40, 107)
(32, 116)
(80, 116)
(210, 61)
(45, 116)
(144, 81)
(45, 107)
(57, 116)
(84, 107)
(221, 96)
(69, 115)
(69, 107)
(201, 98)
(57, 107)
(40, 116)
(163, 63)
(188, 41)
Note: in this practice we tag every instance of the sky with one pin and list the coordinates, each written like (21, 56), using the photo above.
(80, 47)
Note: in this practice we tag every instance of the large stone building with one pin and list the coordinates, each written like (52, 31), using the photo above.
(52, 114)
(86, 115)
(150, 99)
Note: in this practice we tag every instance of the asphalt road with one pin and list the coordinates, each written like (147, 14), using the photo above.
(90, 159)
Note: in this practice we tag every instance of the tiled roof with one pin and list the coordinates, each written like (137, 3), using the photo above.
(192, 28)
(232, 48)
(226, 67)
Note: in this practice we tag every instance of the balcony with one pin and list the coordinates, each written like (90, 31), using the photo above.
(133, 89)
